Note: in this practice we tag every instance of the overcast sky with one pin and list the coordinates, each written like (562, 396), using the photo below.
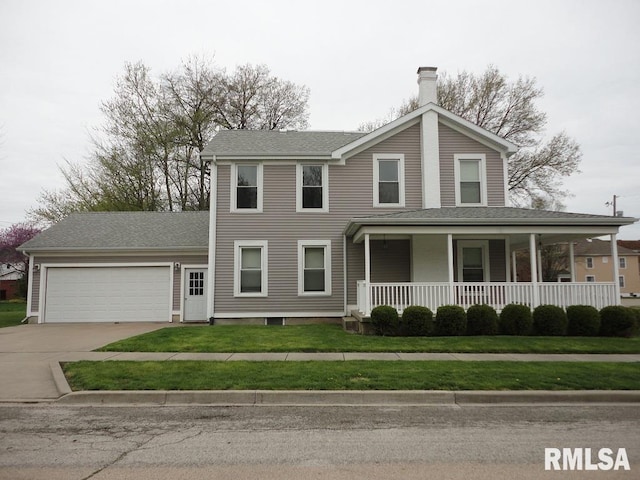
(59, 60)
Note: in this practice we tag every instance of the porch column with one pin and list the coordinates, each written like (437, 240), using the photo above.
(616, 267)
(534, 270)
(452, 293)
(572, 263)
(514, 268)
(367, 275)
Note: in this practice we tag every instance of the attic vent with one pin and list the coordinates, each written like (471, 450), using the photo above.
(274, 321)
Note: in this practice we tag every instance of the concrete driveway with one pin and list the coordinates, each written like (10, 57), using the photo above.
(26, 352)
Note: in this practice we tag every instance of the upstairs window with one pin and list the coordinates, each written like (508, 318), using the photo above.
(470, 178)
(623, 262)
(246, 191)
(589, 262)
(388, 180)
(312, 188)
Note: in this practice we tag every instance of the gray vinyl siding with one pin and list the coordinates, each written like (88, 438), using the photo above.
(121, 259)
(452, 143)
(350, 195)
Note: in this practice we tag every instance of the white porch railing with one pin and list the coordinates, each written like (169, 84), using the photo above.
(499, 294)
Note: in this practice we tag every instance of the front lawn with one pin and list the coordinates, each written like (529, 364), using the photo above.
(12, 313)
(351, 375)
(332, 338)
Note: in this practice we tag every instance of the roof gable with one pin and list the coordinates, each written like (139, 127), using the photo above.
(451, 120)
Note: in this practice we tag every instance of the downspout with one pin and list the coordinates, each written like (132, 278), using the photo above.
(344, 273)
(213, 215)
(29, 289)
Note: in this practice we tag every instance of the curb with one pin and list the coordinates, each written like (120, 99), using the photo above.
(354, 397)
(59, 379)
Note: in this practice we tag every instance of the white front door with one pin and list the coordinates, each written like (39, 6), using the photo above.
(195, 294)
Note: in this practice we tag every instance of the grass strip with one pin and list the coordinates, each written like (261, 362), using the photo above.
(351, 375)
(332, 338)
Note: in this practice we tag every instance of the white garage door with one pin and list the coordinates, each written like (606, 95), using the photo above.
(108, 294)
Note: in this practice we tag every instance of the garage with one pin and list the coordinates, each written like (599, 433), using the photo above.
(107, 294)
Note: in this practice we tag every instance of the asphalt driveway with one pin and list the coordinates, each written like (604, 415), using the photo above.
(26, 352)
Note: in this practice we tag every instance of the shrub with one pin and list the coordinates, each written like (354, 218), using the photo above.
(550, 320)
(584, 321)
(416, 321)
(617, 321)
(451, 320)
(482, 320)
(385, 320)
(515, 319)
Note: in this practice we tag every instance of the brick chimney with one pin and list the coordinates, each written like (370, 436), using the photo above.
(427, 85)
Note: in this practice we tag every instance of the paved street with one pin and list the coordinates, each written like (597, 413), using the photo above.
(490, 442)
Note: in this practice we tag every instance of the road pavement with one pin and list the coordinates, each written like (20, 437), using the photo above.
(472, 442)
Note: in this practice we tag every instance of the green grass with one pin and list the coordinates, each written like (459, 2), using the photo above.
(332, 338)
(351, 375)
(12, 313)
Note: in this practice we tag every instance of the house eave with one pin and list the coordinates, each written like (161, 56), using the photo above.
(115, 250)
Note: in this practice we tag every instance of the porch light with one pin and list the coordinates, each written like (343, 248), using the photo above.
(176, 266)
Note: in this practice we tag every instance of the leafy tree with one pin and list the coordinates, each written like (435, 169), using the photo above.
(146, 156)
(508, 109)
(10, 239)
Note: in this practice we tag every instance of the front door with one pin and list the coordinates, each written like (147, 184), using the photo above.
(195, 297)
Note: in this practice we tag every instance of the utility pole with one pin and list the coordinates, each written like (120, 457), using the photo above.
(613, 204)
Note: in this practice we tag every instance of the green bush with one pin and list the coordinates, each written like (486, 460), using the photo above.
(416, 321)
(451, 320)
(618, 321)
(550, 320)
(515, 319)
(385, 320)
(584, 321)
(482, 320)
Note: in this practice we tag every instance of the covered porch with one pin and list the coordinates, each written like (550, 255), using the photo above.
(467, 256)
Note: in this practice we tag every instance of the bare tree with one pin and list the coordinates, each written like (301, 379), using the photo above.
(146, 156)
(508, 109)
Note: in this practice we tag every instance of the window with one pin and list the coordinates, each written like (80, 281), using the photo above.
(246, 191)
(470, 178)
(605, 259)
(473, 261)
(312, 188)
(250, 268)
(314, 267)
(623, 262)
(590, 278)
(196, 283)
(589, 262)
(388, 180)
(621, 281)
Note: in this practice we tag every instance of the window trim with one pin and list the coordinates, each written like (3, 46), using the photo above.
(326, 244)
(238, 245)
(234, 187)
(376, 179)
(325, 187)
(486, 258)
(481, 158)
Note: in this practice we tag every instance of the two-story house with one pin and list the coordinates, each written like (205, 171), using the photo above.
(319, 225)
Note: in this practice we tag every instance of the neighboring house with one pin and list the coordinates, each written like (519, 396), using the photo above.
(307, 225)
(594, 263)
(10, 278)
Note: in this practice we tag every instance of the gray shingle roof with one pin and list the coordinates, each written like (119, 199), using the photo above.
(264, 143)
(599, 247)
(125, 231)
